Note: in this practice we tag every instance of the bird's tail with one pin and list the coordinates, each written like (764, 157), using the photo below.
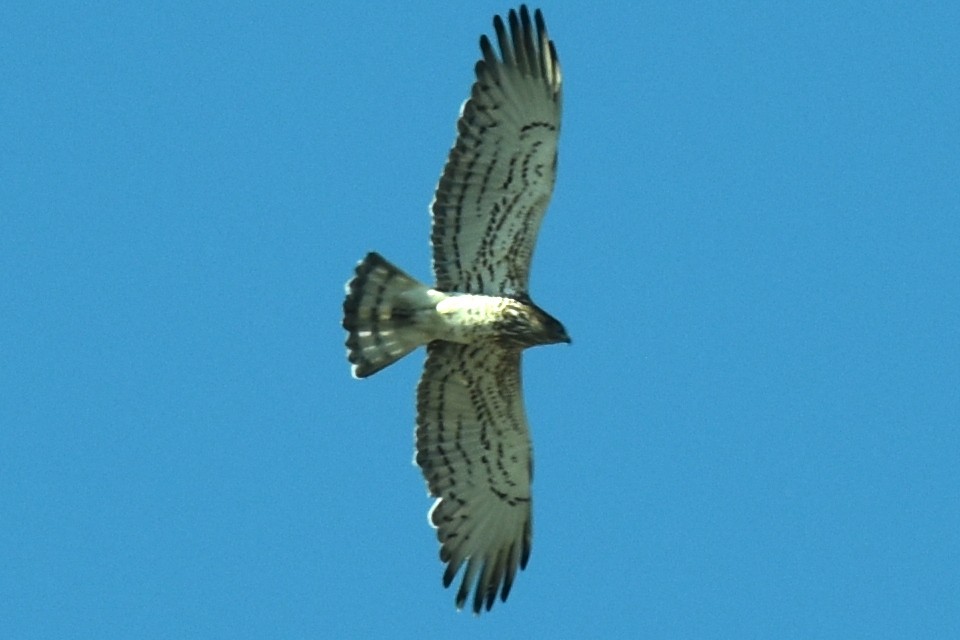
(380, 314)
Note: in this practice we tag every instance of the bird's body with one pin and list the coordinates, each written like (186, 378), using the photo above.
(473, 442)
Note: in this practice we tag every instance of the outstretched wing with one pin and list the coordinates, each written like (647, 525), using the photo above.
(500, 173)
(473, 446)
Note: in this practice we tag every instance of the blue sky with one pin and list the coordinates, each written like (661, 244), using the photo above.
(754, 243)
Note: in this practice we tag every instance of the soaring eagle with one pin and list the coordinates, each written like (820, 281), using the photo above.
(473, 443)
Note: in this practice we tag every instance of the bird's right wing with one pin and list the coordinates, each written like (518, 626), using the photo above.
(499, 176)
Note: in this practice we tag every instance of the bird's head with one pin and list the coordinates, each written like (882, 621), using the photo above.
(553, 330)
(527, 325)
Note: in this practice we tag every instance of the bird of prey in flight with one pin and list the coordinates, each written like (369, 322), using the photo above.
(472, 438)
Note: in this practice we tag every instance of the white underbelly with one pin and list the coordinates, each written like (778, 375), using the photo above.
(466, 318)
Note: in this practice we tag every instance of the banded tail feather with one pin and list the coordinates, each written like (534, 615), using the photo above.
(380, 314)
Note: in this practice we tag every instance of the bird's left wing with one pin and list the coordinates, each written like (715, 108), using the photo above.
(473, 446)
(500, 173)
